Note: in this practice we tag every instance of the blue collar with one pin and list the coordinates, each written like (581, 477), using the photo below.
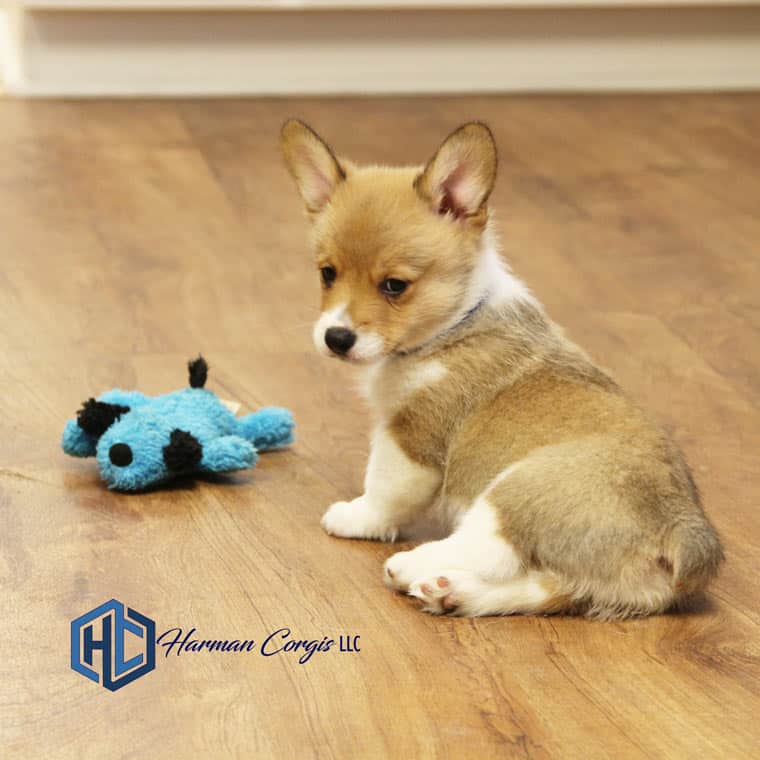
(466, 317)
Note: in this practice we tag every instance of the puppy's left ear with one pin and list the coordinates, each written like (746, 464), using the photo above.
(460, 176)
(311, 163)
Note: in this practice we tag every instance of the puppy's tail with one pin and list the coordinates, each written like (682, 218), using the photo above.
(694, 552)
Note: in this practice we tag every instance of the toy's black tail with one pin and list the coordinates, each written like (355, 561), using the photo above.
(198, 372)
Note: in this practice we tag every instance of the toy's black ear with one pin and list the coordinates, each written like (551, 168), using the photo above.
(183, 452)
(198, 372)
(95, 417)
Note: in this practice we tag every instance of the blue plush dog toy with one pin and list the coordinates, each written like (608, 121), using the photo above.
(141, 441)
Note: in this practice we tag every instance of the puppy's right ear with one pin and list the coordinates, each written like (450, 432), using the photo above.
(311, 163)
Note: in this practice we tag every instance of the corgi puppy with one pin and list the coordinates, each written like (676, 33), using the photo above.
(560, 494)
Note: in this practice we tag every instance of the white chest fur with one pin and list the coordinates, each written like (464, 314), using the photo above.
(392, 382)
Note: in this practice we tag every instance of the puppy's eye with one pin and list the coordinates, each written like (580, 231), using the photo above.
(328, 275)
(392, 287)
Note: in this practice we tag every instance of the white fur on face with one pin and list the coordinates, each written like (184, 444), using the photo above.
(335, 317)
(368, 346)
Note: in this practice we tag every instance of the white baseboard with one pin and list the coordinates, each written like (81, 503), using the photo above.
(156, 52)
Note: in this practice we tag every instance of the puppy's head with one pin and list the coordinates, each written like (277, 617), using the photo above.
(396, 248)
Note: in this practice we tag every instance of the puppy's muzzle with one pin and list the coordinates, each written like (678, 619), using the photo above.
(340, 339)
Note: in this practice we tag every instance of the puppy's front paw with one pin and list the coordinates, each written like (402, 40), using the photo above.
(356, 519)
(340, 520)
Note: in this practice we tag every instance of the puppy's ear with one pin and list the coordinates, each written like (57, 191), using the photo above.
(460, 176)
(312, 164)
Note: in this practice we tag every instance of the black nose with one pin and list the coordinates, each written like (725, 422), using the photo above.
(120, 454)
(339, 339)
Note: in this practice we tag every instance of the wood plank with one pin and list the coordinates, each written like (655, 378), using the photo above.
(138, 233)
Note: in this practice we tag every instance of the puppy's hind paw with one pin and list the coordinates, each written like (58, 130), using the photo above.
(435, 593)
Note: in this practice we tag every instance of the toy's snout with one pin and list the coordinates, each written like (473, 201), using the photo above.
(81, 436)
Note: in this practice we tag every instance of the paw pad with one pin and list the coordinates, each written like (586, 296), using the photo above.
(435, 593)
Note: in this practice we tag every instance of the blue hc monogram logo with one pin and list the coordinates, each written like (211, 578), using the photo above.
(113, 629)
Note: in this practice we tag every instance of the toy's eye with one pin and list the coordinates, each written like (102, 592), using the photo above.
(328, 275)
(120, 454)
(393, 287)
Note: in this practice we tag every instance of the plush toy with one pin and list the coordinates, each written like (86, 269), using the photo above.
(141, 441)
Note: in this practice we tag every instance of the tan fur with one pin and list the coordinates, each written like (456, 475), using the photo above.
(380, 227)
(602, 498)
(599, 506)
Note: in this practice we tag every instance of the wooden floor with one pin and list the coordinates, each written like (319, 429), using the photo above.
(135, 234)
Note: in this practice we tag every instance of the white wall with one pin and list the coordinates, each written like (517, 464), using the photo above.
(11, 58)
(3, 46)
(92, 52)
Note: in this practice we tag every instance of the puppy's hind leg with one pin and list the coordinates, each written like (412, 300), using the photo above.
(462, 592)
(475, 571)
(475, 548)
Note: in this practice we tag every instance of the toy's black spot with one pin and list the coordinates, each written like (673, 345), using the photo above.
(120, 454)
(183, 452)
(198, 372)
(95, 417)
